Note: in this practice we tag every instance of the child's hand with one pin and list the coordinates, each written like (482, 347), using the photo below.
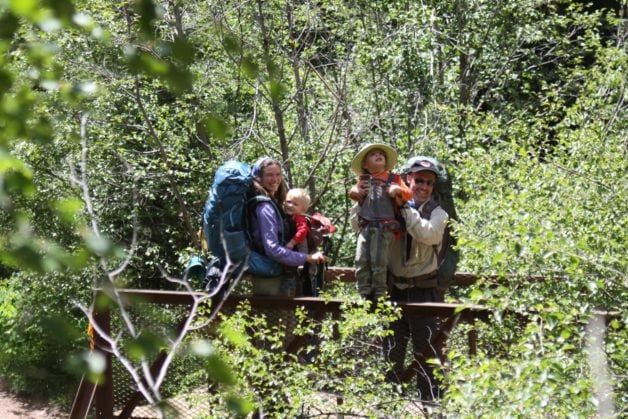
(394, 191)
(359, 191)
(290, 244)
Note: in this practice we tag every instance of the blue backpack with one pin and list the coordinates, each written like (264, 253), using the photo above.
(225, 219)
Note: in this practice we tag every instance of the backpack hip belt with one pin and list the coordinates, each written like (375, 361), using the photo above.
(388, 225)
(421, 281)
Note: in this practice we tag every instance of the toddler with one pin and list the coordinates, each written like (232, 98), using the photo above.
(379, 193)
(296, 205)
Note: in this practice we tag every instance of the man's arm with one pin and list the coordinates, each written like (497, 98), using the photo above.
(430, 231)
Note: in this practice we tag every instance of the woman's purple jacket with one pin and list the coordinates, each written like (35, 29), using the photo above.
(266, 228)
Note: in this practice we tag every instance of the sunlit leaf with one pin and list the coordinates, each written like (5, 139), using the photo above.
(68, 208)
(233, 335)
(50, 24)
(24, 7)
(219, 371)
(239, 405)
(96, 362)
(100, 245)
(202, 348)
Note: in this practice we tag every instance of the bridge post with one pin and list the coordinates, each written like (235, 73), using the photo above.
(104, 390)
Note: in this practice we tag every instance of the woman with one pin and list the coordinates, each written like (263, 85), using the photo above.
(269, 229)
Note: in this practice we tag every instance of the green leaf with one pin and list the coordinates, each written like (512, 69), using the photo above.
(183, 50)
(67, 209)
(9, 24)
(153, 65)
(146, 346)
(64, 9)
(231, 44)
(99, 245)
(277, 90)
(148, 13)
(219, 371)
(24, 8)
(234, 336)
(241, 406)
(217, 127)
(61, 329)
(202, 348)
(249, 67)
(565, 334)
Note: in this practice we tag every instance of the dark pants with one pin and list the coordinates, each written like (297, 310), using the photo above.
(420, 329)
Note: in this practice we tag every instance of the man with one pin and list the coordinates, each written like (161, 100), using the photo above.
(412, 273)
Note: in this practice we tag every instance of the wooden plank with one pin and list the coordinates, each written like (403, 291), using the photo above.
(104, 391)
(463, 279)
(83, 399)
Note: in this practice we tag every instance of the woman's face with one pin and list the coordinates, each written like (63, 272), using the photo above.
(270, 178)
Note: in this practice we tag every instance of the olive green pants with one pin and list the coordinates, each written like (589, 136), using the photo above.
(371, 260)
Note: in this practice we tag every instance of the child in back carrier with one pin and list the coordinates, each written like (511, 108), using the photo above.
(378, 193)
(296, 205)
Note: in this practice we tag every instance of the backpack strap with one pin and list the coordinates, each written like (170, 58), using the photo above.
(425, 213)
(251, 204)
(427, 208)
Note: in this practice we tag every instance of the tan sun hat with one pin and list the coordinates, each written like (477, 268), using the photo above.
(391, 157)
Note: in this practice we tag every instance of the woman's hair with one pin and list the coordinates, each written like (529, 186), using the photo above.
(258, 171)
(300, 195)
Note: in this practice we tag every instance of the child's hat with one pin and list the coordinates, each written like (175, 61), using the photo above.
(391, 157)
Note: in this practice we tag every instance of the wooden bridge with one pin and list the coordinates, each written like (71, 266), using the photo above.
(107, 404)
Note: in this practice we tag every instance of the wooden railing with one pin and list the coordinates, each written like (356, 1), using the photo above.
(449, 313)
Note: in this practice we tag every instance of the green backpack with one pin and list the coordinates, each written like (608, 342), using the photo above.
(442, 196)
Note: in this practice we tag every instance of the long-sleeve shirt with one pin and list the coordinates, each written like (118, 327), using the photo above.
(300, 222)
(266, 230)
(425, 234)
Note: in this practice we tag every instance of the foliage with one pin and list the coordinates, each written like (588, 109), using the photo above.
(114, 116)
(32, 341)
(341, 360)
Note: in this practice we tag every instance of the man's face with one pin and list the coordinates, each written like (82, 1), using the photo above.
(421, 184)
(375, 161)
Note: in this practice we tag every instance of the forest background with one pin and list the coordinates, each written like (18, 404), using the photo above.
(114, 115)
